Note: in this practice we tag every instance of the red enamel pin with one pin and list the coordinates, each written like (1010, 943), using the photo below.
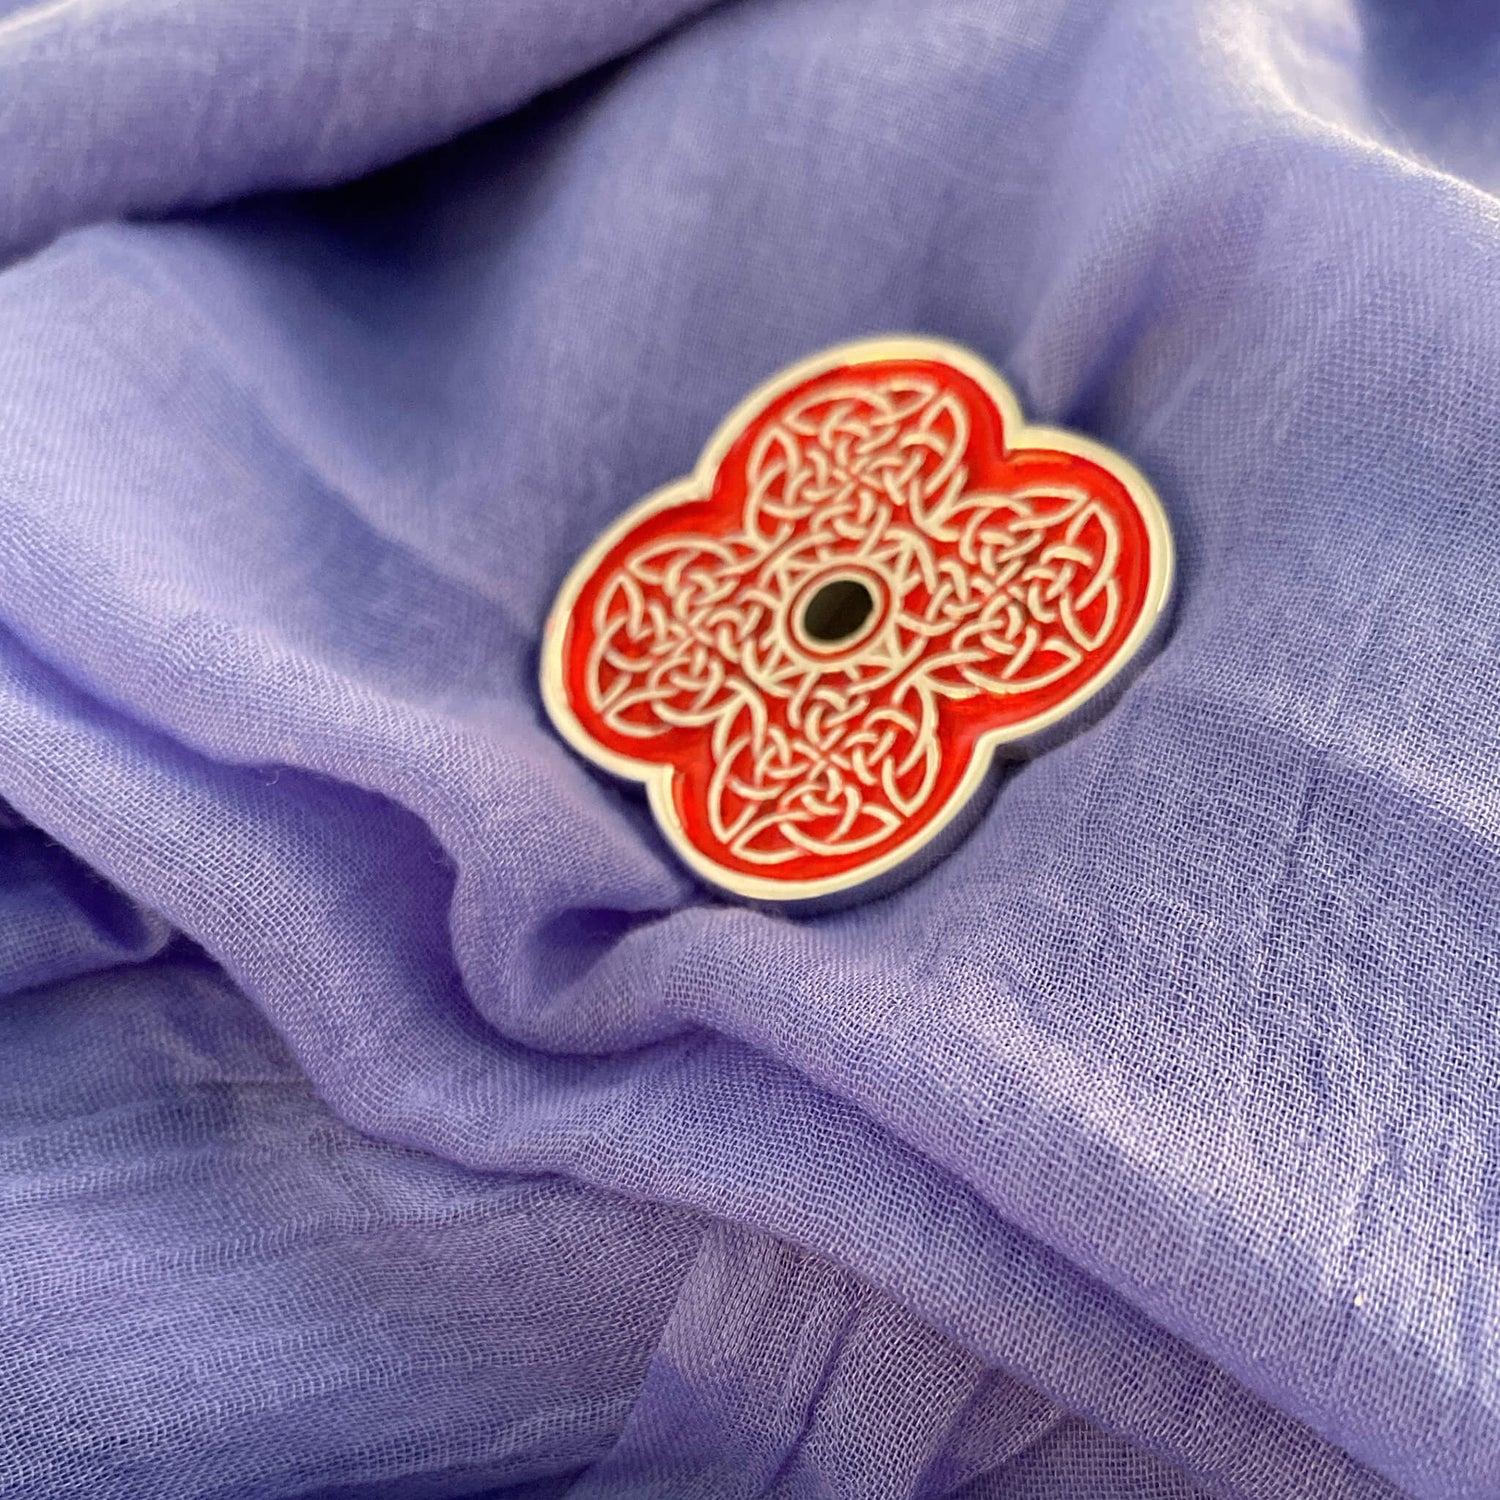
(877, 576)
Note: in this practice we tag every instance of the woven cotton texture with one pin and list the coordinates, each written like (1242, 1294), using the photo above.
(384, 1112)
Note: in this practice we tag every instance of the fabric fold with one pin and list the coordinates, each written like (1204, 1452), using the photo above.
(193, 106)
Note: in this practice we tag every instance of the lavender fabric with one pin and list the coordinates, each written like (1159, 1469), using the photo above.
(383, 1112)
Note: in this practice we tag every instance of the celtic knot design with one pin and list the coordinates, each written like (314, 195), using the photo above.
(815, 641)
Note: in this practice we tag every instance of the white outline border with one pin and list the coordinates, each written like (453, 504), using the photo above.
(698, 485)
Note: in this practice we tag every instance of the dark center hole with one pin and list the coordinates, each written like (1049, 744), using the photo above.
(837, 610)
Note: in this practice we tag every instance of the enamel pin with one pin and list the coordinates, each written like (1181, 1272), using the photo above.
(877, 576)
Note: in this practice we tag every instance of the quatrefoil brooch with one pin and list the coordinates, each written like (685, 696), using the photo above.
(876, 577)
